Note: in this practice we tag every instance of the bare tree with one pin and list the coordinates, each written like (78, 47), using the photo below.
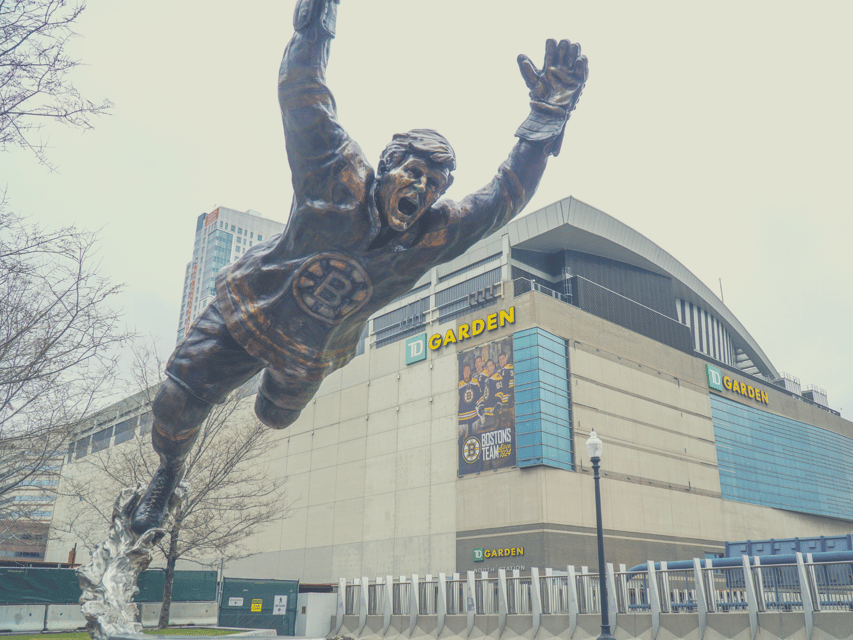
(34, 71)
(232, 494)
(57, 334)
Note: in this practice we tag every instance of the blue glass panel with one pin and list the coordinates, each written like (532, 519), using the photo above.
(542, 400)
(778, 462)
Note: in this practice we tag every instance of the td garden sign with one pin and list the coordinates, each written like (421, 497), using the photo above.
(719, 382)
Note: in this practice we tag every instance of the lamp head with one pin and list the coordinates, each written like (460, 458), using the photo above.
(593, 445)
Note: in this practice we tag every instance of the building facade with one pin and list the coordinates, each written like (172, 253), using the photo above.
(221, 236)
(26, 513)
(455, 440)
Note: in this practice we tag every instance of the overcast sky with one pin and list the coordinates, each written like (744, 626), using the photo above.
(721, 131)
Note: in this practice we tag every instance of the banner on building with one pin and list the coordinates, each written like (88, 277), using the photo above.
(486, 407)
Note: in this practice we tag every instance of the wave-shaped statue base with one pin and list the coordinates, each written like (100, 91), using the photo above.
(109, 580)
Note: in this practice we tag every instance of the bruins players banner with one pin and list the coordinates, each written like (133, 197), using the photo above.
(486, 408)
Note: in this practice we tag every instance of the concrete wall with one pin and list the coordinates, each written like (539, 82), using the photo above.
(22, 617)
(68, 617)
(314, 612)
(829, 625)
(180, 613)
(64, 617)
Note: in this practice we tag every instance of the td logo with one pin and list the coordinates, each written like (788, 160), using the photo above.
(715, 377)
(479, 555)
(416, 349)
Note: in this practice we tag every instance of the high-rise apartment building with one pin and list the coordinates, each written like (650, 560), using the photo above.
(221, 236)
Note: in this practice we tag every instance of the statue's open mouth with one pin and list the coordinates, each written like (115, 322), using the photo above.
(407, 206)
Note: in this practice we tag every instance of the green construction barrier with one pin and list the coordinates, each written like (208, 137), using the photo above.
(188, 586)
(60, 586)
(259, 604)
(39, 586)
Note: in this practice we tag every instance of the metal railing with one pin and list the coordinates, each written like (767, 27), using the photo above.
(833, 585)
(523, 285)
(805, 586)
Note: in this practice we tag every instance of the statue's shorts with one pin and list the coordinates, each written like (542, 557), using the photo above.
(209, 364)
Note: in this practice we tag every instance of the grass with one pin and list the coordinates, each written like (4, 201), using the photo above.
(53, 636)
(82, 635)
(190, 631)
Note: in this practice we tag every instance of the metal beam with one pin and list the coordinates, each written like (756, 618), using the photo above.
(654, 599)
(701, 598)
(536, 600)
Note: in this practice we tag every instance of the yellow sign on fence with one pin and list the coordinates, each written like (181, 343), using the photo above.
(257, 605)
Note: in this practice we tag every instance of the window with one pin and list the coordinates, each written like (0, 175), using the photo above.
(240, 230)
(101, 440)
(124, 430)
(81, 448)
(260, 237)
(233, 228)
(40, 482)
(774, 461)
(145, 422)
(251, 234)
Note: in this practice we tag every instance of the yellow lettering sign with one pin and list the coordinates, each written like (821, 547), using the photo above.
(478, 326)
(503, 553)
(745, 390)
(507, 316)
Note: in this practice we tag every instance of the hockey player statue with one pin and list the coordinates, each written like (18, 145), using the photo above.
(295, 306)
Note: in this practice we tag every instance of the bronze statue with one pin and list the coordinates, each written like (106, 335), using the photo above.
(295, 306)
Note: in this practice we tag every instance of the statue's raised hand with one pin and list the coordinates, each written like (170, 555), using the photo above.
(558, 85)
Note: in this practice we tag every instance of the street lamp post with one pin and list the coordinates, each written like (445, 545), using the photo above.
(594, 448)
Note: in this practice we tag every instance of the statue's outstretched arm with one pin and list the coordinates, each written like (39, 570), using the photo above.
(554, 92)
(307, 105)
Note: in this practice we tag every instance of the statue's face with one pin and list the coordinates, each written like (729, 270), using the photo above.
(466, 373)
(478, 364)
(490, 367)
(408, 190)
(502, 360)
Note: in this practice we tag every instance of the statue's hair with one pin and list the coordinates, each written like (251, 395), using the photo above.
(422, 142)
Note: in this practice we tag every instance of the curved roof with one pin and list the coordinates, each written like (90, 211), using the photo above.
(574, 225)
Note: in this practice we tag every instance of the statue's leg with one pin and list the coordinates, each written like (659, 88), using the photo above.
(205, 367)
(283, 394)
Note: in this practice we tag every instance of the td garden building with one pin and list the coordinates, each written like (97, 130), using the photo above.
(456, 439)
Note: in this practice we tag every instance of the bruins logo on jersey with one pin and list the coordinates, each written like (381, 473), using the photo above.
(471, 450)
(469, 395)
(331, 286)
